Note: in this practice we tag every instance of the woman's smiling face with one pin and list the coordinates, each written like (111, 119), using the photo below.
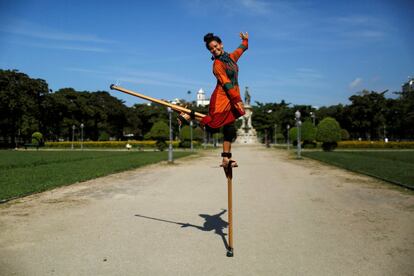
(216, 49)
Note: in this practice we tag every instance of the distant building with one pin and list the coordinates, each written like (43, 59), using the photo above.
(201, 98)
(176, 101)
(408, 86)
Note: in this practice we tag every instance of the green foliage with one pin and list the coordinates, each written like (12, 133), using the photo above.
(367, 113)
(161, 145)
(37, 138)
(159, 131)
(28, 105)
(198, 134)
(185, 135)
(280, 138)
(307, 135)
(267, 115)
(328, 130)
(308, 131)
(329, 133)
(20, 104)
(103, 136)
(344, 134)
(185, 144)
(293, 135)
(375, 145)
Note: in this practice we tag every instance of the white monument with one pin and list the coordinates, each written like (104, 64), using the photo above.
(201, 98)
(246, 134)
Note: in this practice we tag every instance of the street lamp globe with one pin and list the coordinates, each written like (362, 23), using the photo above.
(81, 126)
(297, 114)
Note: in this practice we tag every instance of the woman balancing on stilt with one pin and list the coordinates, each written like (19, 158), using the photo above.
(226, 104)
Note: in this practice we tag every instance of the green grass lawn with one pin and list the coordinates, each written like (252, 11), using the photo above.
(394, 166)
(26, 172)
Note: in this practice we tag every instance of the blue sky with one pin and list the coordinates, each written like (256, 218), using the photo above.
(304, 52)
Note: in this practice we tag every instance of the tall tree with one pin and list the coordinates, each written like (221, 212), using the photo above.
(20, 100)
(367, 113)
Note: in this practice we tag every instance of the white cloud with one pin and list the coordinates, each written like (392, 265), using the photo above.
(256, 6)
(230, 7)
(63, 47)
(356, 82)
(308, 73)
(142, 77)
(34, 30)
(160, 78)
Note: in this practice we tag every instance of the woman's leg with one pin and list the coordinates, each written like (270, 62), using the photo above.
(230, 135)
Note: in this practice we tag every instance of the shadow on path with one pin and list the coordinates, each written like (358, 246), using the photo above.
(212, 222)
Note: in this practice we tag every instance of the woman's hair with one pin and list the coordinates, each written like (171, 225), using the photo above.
(211, 37)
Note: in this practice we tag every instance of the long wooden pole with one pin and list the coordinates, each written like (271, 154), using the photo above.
(230, 207)
(154, 100)
(229, 175)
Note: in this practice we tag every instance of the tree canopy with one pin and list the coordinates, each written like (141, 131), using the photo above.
(28, 105)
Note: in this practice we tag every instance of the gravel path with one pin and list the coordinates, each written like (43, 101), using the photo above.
(291, 217)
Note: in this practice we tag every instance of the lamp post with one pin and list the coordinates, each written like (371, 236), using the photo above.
(266, 134)
(275, 134)
(288, 142)
(298, 124)
(73, 134)
(191, 134)
(170, 147)
(82, 126)
(313, 116)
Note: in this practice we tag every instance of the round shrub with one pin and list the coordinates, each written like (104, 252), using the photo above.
(329, 133)
(280, 138)
(160, 132)
(185, 144)
(37, 138)
(161, 145)
(103, 136)
(293, 134)
(308, 132)
(344, 134)
(185, 135)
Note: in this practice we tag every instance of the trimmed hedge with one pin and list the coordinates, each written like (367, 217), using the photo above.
(110, 144)
(375, 145)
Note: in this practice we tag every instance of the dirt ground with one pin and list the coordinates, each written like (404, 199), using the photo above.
(291, 217)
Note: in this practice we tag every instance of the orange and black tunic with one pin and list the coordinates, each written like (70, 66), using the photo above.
(226, 95)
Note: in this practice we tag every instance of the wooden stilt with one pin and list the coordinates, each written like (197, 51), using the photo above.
(229, 174)
(230, 215)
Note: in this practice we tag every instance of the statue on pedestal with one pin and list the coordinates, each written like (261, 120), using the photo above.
(247, 96)
(246, 134)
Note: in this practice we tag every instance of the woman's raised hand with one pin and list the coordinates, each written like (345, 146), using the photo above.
(244, 35)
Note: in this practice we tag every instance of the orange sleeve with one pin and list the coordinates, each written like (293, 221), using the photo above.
(221, 75)
(240, 50)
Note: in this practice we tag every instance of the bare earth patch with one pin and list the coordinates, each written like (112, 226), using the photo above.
(290, 217)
